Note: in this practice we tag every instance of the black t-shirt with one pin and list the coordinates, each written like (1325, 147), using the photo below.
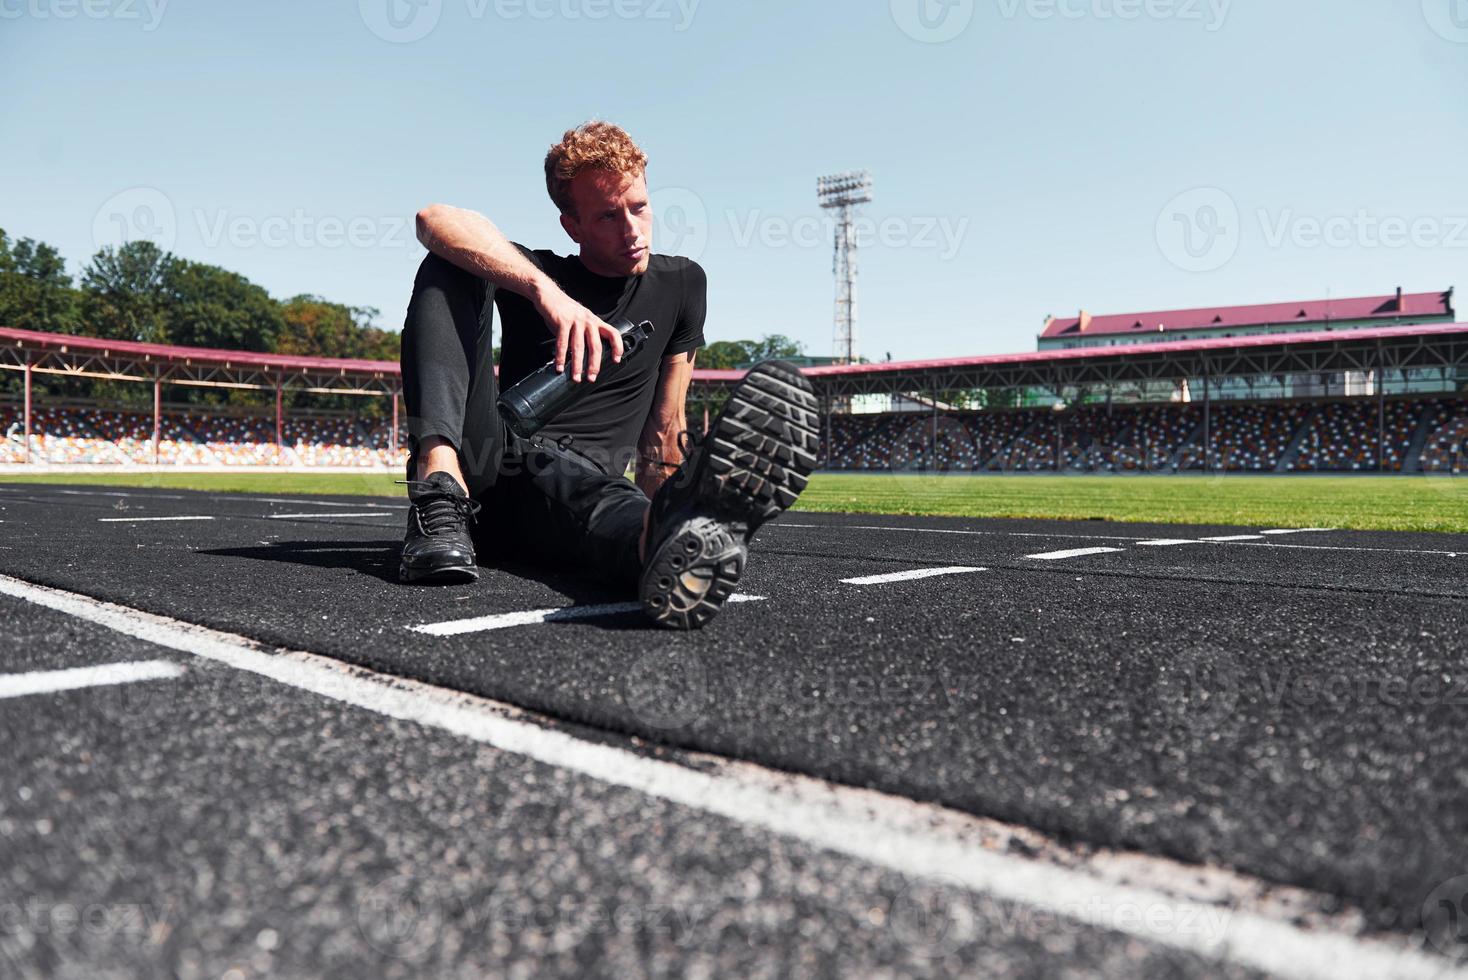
(605, 424)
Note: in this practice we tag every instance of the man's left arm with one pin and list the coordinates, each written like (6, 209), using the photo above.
(658, 449)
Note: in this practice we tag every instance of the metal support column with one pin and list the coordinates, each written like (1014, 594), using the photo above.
(157, 416)
(28, 458)
(392, 436)
(1380, 411)
(279, 421)
(1207, 420)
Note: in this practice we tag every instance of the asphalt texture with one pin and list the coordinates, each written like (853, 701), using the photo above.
(1290, 706)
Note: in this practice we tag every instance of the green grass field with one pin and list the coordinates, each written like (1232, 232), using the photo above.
(1412, 503)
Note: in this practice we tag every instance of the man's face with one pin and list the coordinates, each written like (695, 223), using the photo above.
(612, 224)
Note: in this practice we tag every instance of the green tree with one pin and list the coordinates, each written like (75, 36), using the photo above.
(206, 306)
(727, 354)
(124, 293)
(35, 291)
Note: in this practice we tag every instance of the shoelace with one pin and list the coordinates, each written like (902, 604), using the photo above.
(439, 510)
(688, 442)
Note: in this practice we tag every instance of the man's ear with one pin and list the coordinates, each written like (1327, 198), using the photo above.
(569, 223)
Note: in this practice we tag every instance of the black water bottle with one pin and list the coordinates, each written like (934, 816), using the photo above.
(537, 399)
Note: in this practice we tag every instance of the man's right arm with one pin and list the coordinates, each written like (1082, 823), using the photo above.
(471, 241)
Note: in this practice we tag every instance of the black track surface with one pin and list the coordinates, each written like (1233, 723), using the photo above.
(1292, 706)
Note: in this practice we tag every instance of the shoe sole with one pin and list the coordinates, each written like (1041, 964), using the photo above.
(438, 576)
(692, 574)
(763, 447)
(759, 457)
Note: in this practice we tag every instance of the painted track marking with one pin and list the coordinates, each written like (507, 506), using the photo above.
(1166, 542)
(913, 839)
(908, 576)
(1225, 538)
(139, 520)
(1073, 553)
(534, 617)
(291, 517)
(75, 678)
(1112, 537)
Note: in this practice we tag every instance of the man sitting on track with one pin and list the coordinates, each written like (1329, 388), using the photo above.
(562, 500)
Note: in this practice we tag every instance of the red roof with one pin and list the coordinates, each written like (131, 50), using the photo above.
(1414, 305)
(167, 353)
(1130, 350)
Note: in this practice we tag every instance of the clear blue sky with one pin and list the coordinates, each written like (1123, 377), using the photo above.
(1029, 164)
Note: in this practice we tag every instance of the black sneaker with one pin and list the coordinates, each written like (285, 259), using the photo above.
(751, 465)
(437, 547)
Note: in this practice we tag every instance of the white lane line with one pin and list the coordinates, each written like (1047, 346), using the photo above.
(137, 520)
(916, 573)
(1073, 553)
(1166, 542)
(116, 493)
(47, 681)
(534, 617)
(1297, 530)
(1224, 539)
(913, 839)
(1117, 537)
(318, 516)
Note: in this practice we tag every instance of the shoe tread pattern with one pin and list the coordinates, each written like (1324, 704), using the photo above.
(765, 445)
(705, 551)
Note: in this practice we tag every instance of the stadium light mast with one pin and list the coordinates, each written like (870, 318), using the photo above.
(843, 193)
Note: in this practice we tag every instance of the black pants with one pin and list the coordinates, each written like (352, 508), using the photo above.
(540, 504)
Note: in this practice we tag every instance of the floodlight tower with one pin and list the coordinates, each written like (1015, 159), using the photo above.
(842, 193)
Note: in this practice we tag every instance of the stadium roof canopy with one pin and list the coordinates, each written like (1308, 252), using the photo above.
(1396, 306)
(1326, 351)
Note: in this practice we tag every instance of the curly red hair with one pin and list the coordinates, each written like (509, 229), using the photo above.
(595, 144)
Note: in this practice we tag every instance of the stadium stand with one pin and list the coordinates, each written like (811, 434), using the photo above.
(1333, 437)
(1340, 436)
(81, 435)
